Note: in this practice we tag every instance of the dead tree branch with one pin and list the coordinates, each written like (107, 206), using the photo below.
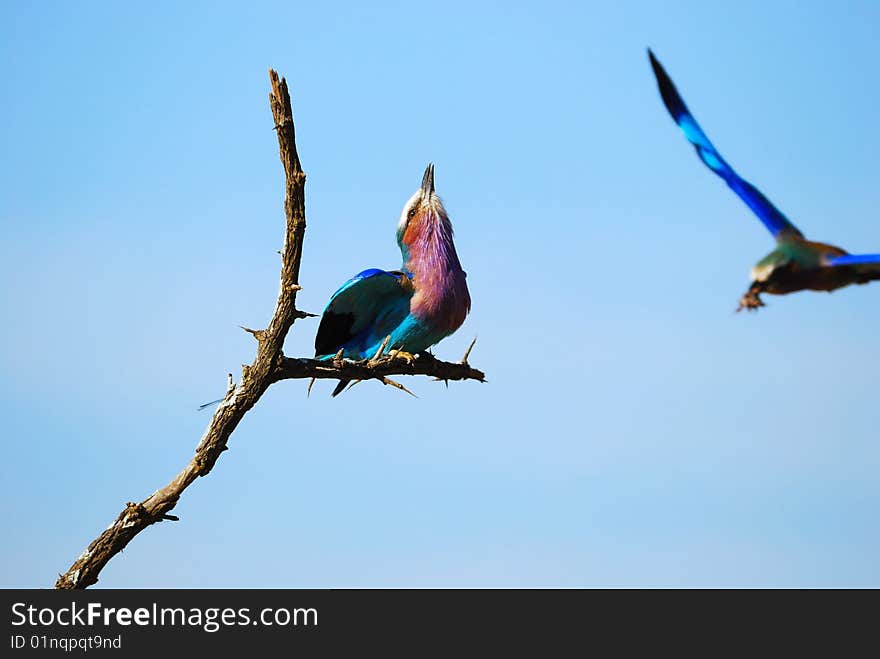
(239, 399)
(269, 366)
(369, 369)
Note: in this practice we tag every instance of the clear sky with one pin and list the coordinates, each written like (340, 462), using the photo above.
(634, 430)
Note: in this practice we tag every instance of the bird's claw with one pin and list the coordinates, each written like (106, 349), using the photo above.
(408, 357)
(751, 301)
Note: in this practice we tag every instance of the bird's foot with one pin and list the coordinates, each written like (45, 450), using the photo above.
(751, 301)
(408, 357)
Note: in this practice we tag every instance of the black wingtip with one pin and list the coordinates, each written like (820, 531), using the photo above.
(334, 331)
(671, 98)
(663, 79)
(659, 72)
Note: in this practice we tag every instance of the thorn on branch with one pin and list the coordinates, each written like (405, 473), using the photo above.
(303, 314)
(259, 335)
(467, 353)
(386, 380)
(381, 350)
(169, 518)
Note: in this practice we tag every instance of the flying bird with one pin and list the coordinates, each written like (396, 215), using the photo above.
(797, 263)
(417, 306)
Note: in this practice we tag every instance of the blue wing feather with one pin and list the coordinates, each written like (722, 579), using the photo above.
(868, 262)
(363, 311)
(772, 217)
(365, 274)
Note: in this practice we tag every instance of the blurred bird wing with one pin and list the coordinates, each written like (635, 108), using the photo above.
(864, 263)
(370, 304)
(773, 219)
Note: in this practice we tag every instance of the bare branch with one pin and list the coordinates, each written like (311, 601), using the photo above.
(239, 399)
(269, 366)
(374, 369)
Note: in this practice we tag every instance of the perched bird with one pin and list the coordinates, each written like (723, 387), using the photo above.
(796, 263)
(417, 306)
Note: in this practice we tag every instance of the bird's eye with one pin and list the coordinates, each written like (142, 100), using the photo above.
(411, 214)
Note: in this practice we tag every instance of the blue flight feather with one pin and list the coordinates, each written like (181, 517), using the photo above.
(365, 309)
(773, 219)
(855, 259)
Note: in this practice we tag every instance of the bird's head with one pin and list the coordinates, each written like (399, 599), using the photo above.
(423, 216)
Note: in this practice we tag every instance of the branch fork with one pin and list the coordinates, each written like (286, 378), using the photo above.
(269, 366)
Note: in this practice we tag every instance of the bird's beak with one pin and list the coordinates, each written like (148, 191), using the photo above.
(428, 181)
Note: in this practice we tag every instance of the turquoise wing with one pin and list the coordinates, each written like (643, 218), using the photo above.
(365, 309)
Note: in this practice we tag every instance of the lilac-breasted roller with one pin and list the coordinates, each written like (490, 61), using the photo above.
(797, 263)
(417, 306)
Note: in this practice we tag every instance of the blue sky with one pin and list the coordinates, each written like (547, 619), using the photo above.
(634, 430)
